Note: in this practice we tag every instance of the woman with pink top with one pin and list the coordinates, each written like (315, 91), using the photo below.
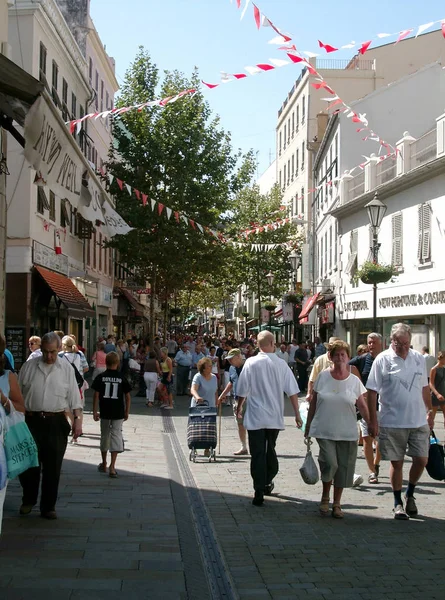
(98, 360)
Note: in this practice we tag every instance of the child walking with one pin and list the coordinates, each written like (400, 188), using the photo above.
(112, 398)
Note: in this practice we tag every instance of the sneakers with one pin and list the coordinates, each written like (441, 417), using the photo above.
(258, 499)
(410, 506)
(358, 480)
(399, 513)
(241, 452)
(372, 478)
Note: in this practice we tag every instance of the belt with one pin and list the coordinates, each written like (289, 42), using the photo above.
(43, 413)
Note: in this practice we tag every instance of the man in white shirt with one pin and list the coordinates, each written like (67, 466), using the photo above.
(399, 376)
(281, 353)
(263, 381)
(292, 349)
(49, 388)
(430, 360)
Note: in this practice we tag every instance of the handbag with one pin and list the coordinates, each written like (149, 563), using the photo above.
(436, 455)
(308, 470)
(20, 448)
(77, 375)
(3, 465)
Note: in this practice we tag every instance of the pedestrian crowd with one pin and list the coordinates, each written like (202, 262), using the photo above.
(390, 397)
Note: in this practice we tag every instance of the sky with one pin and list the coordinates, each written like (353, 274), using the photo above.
(208, 34)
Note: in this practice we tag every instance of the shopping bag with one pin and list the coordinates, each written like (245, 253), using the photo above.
(20, 448)
(3, 465)
(308, 470)
(436, 455)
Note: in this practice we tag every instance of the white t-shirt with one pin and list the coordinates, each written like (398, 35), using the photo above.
(292, 351)
(399, 384)
(283, 355)
(335, 417)
(430, 362)
(263, 381)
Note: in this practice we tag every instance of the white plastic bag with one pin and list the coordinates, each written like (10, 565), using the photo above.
(308, 470)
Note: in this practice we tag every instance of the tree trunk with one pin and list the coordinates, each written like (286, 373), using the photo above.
(151, 322)
(166, 324)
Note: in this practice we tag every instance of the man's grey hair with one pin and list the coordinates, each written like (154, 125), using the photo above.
(376, 336)
(400, 329)
(51, 338)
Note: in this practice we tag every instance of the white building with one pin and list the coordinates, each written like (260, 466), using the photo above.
(300, 126)
(411, 238)
(390, 111)
(71, 290)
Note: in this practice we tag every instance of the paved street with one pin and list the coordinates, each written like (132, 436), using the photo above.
(139, 536)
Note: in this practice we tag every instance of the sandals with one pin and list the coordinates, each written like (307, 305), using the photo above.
(101, 468)
(337, 512)
(324, 506)
(113, 474)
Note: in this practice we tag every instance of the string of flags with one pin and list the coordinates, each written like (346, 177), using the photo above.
(76, 124)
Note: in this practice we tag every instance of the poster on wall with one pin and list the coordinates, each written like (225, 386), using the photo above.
(15, 342)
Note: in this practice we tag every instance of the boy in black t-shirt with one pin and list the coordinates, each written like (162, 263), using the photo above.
(110, 389)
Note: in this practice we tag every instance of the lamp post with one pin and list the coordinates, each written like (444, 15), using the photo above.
(270, 278)
(294, 259)
(376, 211)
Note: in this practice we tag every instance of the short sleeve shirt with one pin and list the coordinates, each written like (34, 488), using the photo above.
(206, 388)
(399, 383)
(335, 416)
(112, 387)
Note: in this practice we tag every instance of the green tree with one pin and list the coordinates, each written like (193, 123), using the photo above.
(180, 157)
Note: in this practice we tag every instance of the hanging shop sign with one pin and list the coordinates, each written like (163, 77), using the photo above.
(47, 257)
(49, 150)
(413, 300)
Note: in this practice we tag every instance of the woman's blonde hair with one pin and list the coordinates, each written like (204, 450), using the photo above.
(36, 340)
(337, 346)
(68, 344)
(202, 363)
(362, 348)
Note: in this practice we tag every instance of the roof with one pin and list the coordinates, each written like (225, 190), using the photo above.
(67, 292)
(134, 304)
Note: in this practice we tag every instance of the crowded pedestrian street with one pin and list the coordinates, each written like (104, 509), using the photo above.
(177, 530)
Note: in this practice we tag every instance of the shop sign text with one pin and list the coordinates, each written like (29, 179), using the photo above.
(413, 300)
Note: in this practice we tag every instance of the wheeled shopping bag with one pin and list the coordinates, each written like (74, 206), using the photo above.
(201, 431)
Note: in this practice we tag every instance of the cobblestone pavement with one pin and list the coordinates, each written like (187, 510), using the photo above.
(134, 537)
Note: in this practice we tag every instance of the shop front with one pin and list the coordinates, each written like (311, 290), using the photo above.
(128, 314)
(422, 306)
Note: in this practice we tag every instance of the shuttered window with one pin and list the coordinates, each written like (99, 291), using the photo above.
(351, 265)
(424, 241)
(330, 248)
(397, 243)
(335, 242)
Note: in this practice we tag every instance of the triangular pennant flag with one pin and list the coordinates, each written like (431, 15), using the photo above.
(257, 16)
(120, 183)
(239, 75)
(192, 223)
(244, 9)
(265, 67)
(200, 228)
(184, 218)
(238, 3)
(160, 208)
(153, 204)
(129, 188)
(423, 28)
(169, 212)
(403, 34)
(110, 178)
(294, 58)
(144, 199)
(327, 47)
(279, 62)
(176, 216)
(443, 28)
(137, 193)
(364, 47)
(211, 86)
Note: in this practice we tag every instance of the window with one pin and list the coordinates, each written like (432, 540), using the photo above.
(336, 145)
(297, 165)
(280, 143)
(424, 244)
(302, 201)
(279, 179)
(73, 221)
(100, 252)
(397, 246)
(42, 59)
(52, 206)
(101, 96)
(330, 248)
(335, 242)
(107, 106)
(288, 130)
(90, 70)
(73, 106)
(325, 253)
(105, 257)
(94, 250)
(284, 141)
(288, 171)
(293, 167)
(303, 109)
(351, 265)
(65, 213)
(65, 115)
(295, 207)
(42, 200)
(54, 84)
(293, 123)
(302, 156)
(298, 117)
(321, 258)
(110, 261)
(284, 173)
(88, 252)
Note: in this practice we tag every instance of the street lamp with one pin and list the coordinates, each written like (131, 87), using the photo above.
(270, 278)
(376, 211)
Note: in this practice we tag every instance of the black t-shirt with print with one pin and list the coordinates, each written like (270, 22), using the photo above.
(112, 387)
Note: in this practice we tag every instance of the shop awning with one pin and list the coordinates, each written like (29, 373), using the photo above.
(265, 328)
(135, 306)
(308, 306)
(76, 304)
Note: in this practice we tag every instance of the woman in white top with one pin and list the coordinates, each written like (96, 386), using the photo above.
(332, 420)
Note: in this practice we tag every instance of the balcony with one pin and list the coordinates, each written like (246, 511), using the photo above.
(385, 171)
(424, 149)
(345, 64)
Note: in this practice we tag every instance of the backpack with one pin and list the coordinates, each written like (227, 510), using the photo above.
(77, 375)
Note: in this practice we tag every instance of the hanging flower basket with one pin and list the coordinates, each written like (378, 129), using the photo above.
(270, 307)
(371, 273)
(292, 298)
(245, 314)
